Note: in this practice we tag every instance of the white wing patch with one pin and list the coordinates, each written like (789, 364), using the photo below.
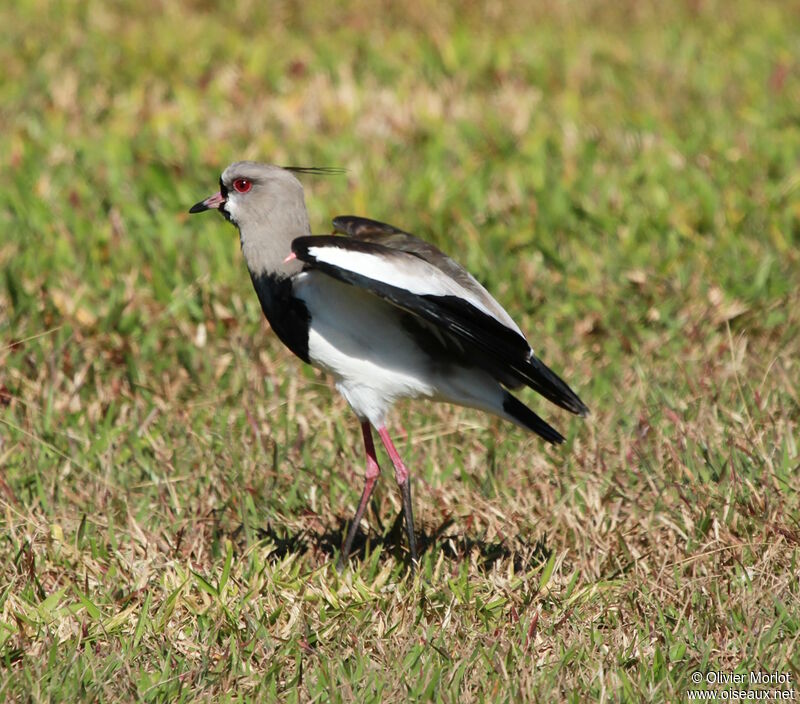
(406, 272)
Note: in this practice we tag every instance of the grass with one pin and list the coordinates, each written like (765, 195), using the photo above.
(175, 486)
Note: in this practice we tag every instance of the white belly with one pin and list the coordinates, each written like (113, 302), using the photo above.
(357, 338)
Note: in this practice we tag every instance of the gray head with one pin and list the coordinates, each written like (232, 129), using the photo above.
(266, 204)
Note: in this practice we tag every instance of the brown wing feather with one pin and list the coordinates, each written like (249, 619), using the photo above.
(390, 236)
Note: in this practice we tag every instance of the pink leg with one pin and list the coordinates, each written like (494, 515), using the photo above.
(401, 474)
(400, 471)
(372, 473)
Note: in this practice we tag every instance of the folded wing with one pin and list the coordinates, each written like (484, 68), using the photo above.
(418, 278)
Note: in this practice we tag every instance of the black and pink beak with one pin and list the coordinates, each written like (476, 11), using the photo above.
(214, 202)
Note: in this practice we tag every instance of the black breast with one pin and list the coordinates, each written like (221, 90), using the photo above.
(287, 315)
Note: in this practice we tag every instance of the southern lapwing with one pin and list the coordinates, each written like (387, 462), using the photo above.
(389, 316)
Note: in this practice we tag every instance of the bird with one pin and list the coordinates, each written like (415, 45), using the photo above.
(388, 315)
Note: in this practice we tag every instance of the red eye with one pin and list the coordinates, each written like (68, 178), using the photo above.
(242, 185)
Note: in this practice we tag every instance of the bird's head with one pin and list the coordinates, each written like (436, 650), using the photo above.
(266, 203)
(250, 191)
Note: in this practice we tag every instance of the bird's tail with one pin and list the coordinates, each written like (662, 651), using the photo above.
(520, 414)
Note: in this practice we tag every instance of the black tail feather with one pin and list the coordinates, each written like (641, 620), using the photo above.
(523, 415)
(544, 380)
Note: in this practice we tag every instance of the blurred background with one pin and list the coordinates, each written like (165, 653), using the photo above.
(624, 177)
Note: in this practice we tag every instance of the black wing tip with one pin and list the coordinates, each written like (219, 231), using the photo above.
(545, 381)
(573, 404)
(525, 417)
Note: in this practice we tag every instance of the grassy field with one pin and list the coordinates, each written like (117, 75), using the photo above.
(174, 485)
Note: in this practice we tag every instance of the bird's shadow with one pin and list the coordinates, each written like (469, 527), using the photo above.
(456, 547)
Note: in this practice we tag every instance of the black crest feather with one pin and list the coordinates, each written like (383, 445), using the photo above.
(318, 170)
